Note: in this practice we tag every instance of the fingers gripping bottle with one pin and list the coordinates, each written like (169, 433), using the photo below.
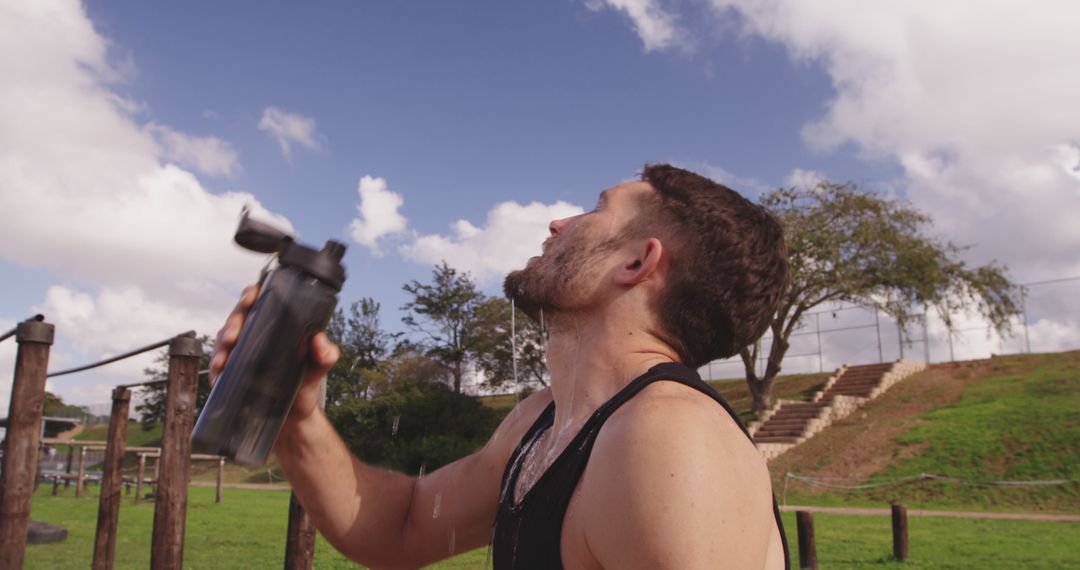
(253, 394)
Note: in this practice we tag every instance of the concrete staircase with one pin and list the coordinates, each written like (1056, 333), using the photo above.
(791, 422)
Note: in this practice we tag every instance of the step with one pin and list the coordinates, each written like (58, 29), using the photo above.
(781, 429)
(791, 440)
(876, 366)
(807, 414)
(801, 406)
(785, 423)
(854, 377)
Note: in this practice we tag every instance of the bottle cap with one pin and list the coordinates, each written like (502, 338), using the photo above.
(324, 265)
(264, 238)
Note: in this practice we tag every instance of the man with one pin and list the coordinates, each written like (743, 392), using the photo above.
(628, 460)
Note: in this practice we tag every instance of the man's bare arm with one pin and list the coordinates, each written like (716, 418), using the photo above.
(382, 518)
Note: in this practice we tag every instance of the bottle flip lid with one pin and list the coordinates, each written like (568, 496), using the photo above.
(324, 264)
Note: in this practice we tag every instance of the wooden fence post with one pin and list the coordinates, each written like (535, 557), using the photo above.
(170, 496)
(111, 478)
(807, 548)
(142, 475)
(899, 532)
(300, 540)
(300, 537)
(67, 469)
(22, 438)
(82, 471)
(220, 478)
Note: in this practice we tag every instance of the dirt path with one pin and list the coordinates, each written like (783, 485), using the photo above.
(925, 513)
(258, 486)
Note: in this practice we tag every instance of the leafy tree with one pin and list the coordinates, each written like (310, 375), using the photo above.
(364, 346)
(54, 406)
(853, 246)
(445, 314)
(414, 425)
(152, 408)
(495, 353)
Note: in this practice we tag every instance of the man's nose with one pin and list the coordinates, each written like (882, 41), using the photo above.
(556, 226)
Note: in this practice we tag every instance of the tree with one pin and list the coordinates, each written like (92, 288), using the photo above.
(364, 346)
(414, 426)
(152, 408)
(445, 314)
(853, 246)
(495, 353)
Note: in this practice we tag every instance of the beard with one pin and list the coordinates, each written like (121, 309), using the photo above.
(557, 281)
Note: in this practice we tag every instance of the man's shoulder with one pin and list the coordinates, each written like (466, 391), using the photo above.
(675, 410)
(674, 470)
(516, 423)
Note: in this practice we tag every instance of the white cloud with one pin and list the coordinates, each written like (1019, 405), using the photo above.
(288, 129)
(86, 193)
(378, 213)
(655, 26)
(807, 179)
(747, 186)
(7, 363)
(511, 235)
(977, 104)
(209, 155)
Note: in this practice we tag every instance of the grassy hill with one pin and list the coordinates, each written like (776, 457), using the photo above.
(1005, 418)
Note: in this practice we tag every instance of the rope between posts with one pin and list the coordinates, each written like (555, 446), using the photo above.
(834, 483)
(38, 317)
(128, 354)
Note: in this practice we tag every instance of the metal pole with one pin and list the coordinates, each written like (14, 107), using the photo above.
(817, 327)
(513, 340)
(926, 336)
(22, 438)
(1023, 311)
(952, 355)
(170, 496)
(900, 336)
(877, 326)
(111, 478)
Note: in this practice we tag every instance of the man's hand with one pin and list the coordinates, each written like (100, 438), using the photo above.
(321, 357)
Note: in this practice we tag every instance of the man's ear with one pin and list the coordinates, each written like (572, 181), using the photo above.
(642, 265)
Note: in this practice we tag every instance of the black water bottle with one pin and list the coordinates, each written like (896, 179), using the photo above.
(254, 392)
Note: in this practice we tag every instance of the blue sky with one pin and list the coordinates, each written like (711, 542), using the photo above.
(136, 131)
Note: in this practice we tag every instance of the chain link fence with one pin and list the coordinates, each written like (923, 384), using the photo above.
(851, 334)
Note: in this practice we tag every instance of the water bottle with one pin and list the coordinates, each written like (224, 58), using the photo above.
(253, 394)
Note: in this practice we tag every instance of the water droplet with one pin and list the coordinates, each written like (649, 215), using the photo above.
(453, 539)
(438, 504)
(397, 420)
(422, 467)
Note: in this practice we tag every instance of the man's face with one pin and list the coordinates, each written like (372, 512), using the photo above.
(578, 257)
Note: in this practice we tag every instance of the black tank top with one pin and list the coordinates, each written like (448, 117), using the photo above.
(528, 533)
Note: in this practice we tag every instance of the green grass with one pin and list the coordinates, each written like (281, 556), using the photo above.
(1010, 418)
(136, 437)
(1019, 423)
(247, 530)
(941, 543)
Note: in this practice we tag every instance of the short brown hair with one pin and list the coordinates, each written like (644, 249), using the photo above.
(729, 265)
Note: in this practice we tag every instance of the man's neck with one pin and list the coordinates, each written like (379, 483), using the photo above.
(591, 357)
